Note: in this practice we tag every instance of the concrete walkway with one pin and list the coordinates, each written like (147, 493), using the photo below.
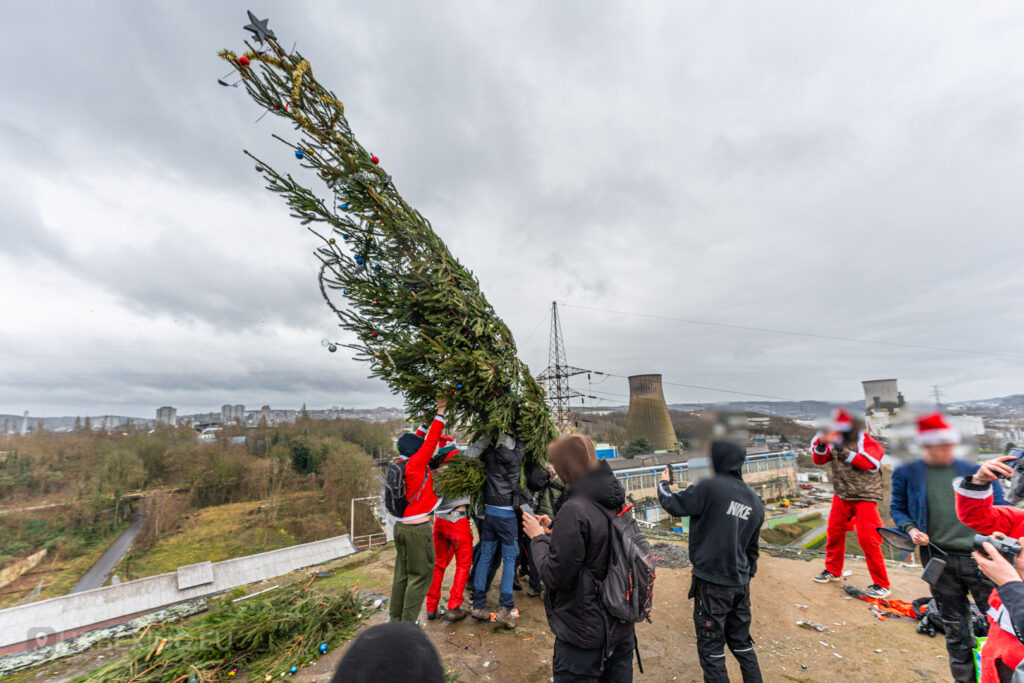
(95, 577)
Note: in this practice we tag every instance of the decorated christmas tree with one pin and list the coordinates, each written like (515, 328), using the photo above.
(415, 314)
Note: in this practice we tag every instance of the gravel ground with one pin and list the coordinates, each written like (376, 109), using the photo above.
(671, 555)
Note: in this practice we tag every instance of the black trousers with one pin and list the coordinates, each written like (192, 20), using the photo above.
(572, 664)
(526, 565)
(960, 577)
(721, 615)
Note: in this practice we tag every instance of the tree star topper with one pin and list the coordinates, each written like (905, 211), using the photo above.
(258, 28)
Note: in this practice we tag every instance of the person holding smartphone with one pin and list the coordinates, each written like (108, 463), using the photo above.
(572, 555)
(855, 458)
(1009, 581)
(924, 507)
(975, 506)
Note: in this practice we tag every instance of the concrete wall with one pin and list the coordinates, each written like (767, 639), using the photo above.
(38, 623)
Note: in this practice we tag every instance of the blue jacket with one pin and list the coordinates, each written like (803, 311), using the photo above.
(909, 492)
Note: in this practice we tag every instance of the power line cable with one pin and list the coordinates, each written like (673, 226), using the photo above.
(811, 335)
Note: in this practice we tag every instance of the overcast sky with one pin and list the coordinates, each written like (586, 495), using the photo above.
(850, 170)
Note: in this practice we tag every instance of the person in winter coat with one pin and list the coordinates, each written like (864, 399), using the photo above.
(725, 527)
(452, 539)
(924, 507)
(1009, 581)
(550, 499)
(572, 556)
(537, 477)
(502, 463)
(414, 539)
(856, 460)
(975, 506)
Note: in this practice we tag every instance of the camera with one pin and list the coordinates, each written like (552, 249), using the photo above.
(1007, 547)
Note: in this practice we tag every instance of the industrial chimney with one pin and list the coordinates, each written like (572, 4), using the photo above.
(648, 413)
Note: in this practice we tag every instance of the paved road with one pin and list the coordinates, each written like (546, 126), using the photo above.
(814, 533)
(95, 577)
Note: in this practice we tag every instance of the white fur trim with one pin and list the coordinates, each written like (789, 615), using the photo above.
(934, 437)
(439, 418)
(971, 493)
(861, 452)
(1002, 617)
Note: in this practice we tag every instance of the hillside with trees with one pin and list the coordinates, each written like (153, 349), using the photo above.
(71, 494)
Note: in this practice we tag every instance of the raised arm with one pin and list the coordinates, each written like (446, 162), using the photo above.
(821, 449)
(974, 507)
(684, 503)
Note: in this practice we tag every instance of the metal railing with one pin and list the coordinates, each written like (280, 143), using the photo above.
(369, 541)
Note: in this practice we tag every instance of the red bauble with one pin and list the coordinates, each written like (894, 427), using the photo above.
(375, 160)
(373, 334)
(243, 61)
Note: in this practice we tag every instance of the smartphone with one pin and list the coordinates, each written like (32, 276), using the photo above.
(527, 510)
(671, 475)
(1016, 453)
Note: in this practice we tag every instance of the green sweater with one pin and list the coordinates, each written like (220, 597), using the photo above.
(944, 528)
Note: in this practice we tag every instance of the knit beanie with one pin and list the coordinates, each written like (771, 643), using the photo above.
(398, 651)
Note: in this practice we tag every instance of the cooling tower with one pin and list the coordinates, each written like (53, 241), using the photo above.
(648, 414)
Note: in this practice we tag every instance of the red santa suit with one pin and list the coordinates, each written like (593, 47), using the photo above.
(453, 539)
(857, 483)
(975, 509)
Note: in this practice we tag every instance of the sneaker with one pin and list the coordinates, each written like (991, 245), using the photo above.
(481, 614)
(431, 615)
(505, 618)
(825, 577)
(876, 591)
(457, 614)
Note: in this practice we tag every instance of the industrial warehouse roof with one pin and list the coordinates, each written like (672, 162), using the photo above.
(657, 461)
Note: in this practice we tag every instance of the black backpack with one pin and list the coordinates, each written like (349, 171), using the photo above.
(627, 591)
(395, 499)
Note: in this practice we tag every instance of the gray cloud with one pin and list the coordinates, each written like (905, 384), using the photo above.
(843, 170)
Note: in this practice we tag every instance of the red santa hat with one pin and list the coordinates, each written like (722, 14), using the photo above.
(933, 430)
(842, 421)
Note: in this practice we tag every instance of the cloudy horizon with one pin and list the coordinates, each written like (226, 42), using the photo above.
(779, 200)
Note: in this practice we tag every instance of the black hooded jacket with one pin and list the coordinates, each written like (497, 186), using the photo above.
(725, 519)
(502, 467)
(573, 559)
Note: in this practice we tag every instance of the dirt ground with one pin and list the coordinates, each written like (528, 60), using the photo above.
(858, 646)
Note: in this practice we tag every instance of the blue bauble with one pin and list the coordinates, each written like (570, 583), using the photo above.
(294, 669)
(323, 647)
(343, 207)
(376, 267)
(298, 154)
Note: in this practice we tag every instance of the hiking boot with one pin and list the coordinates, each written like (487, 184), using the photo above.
(431, 615)
(825, 577)
(457, 614)
(504, 617)
(533, 591)
(876, 591)
(481, 613)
